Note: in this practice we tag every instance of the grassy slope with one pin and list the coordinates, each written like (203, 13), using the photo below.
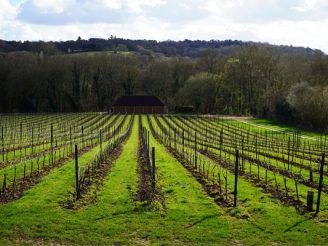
(281, 126)
(191, 218)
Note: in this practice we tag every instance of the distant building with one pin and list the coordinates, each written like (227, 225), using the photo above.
(139, 105)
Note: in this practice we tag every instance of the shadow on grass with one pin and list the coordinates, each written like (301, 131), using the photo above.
(296, 224)
(201, 220)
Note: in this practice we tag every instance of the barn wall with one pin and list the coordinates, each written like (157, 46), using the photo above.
(139, 109)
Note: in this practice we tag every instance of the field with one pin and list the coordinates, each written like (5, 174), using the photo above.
(96, 178)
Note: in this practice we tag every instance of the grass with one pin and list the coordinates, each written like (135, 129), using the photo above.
(115, 218)
(283, 127)
(279, 223)
(192, 218)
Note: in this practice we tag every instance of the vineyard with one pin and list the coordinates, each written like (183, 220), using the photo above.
(98, 178)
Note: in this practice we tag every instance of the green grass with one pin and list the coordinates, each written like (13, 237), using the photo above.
(115, 218)
(192, 218)
(283, 127)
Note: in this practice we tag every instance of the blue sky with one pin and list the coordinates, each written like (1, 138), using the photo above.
(289, 22)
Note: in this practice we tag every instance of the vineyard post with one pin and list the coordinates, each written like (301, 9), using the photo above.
(183, 142)
(236, 178)
(14, 181)
(256, 145)
(288, 152)
(153, 168)
(205, 138)
(51, 143)
(32, 139)
(70, 137)
(77, 189)
(309, 201)
(82, 136)
(195, 150)
(221, 142)
(24, 170)
(242, 159)
(3, 145)
(320, 182)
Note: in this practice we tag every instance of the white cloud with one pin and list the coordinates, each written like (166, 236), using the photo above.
(114, 4)
(310, 5)
(52, 6)
(136, 6)
(300, 23)
(7, 11)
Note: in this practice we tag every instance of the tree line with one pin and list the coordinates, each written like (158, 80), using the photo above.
(250, 80)
(190, 48)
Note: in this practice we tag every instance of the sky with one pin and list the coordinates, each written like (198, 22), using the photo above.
(287, 22)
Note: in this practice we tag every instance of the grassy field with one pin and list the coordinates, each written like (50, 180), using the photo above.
(283, 127)
(111, 213)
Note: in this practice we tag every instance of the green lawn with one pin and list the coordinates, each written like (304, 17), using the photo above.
(283, 127)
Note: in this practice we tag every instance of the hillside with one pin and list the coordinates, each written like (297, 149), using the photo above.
(189, 48)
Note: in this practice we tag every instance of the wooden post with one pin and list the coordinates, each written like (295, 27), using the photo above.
(51, 143)
(183, 142)
(24, 170)
(3, 145)
(288, 163)
(77, 188)
(32, 139)
(153, 168)
(309, 201)
(320, 182)
(70, 138)
(195, 150)
(82, 136)
(236, 178)
(221, 142)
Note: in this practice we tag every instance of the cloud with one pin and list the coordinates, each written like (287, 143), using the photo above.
(177, 11)
(7, 11)
(51, 6)
(63, 12)
(296, 22)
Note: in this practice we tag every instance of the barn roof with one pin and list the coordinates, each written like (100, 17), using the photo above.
(138, 101)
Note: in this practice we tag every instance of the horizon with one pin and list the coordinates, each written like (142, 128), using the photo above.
(298, 23)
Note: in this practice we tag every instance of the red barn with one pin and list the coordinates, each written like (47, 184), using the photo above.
(138, 105)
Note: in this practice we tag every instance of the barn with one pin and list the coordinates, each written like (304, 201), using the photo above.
(139, 105)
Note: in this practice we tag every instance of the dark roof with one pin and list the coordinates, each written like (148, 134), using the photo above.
(138, 101)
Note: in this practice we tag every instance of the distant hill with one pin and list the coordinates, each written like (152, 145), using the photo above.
(186, 48)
